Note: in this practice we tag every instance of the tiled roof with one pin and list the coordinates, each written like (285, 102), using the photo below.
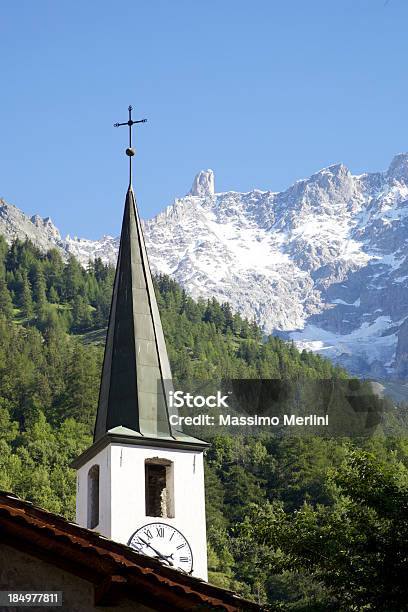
(113, 568)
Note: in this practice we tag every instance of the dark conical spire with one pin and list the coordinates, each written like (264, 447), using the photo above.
(136, 366)
(133, 407)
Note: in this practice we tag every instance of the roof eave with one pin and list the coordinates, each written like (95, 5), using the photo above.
(182, 442)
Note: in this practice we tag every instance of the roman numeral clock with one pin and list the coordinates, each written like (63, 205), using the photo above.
(165, 543)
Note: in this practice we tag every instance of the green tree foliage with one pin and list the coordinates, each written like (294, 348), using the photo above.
(6, 304)
(27, 309)
(35, 463)
(355, 548)
(74, 281)
(81, 314)
(39, 286)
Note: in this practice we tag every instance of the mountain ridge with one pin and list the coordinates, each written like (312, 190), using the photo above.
(322, 262)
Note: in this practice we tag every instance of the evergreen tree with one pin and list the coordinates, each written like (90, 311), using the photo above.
(99, 270)
(53, 296)
(3, 250)
(82, 377)
(6, 304)
(39, 291)
(73, 280)
(228, 317)
(81, 315)
(53, 272)
(16, 284)
(27, 309)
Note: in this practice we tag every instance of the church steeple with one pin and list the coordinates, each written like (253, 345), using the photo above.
(142, 481)
(136, 366)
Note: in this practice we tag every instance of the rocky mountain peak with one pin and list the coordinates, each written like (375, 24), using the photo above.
(399, 168)
(336, 173)
(47, 225)
(337, 169)
(203, 184)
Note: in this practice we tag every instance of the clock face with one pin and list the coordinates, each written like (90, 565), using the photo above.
(165, 543)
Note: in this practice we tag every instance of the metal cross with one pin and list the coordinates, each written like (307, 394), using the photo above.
(129, 151)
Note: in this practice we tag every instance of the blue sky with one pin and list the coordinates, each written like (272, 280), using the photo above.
(262, 91)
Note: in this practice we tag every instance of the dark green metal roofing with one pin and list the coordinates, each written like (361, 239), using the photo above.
(136, 366)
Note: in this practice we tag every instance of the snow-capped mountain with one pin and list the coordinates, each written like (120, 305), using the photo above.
(324, 262)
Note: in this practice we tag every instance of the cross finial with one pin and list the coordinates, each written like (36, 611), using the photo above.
(130, 151)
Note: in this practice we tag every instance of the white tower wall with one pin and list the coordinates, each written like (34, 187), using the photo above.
(122, 504)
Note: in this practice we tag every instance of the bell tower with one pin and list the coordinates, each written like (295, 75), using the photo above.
(141, 482)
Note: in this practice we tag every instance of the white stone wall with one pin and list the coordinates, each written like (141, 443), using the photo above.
(122, 495)
(103, 460)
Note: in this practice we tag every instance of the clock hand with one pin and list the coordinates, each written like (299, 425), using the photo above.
(159, 554)
(167, 558)
(180, 569)
(152, 547)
